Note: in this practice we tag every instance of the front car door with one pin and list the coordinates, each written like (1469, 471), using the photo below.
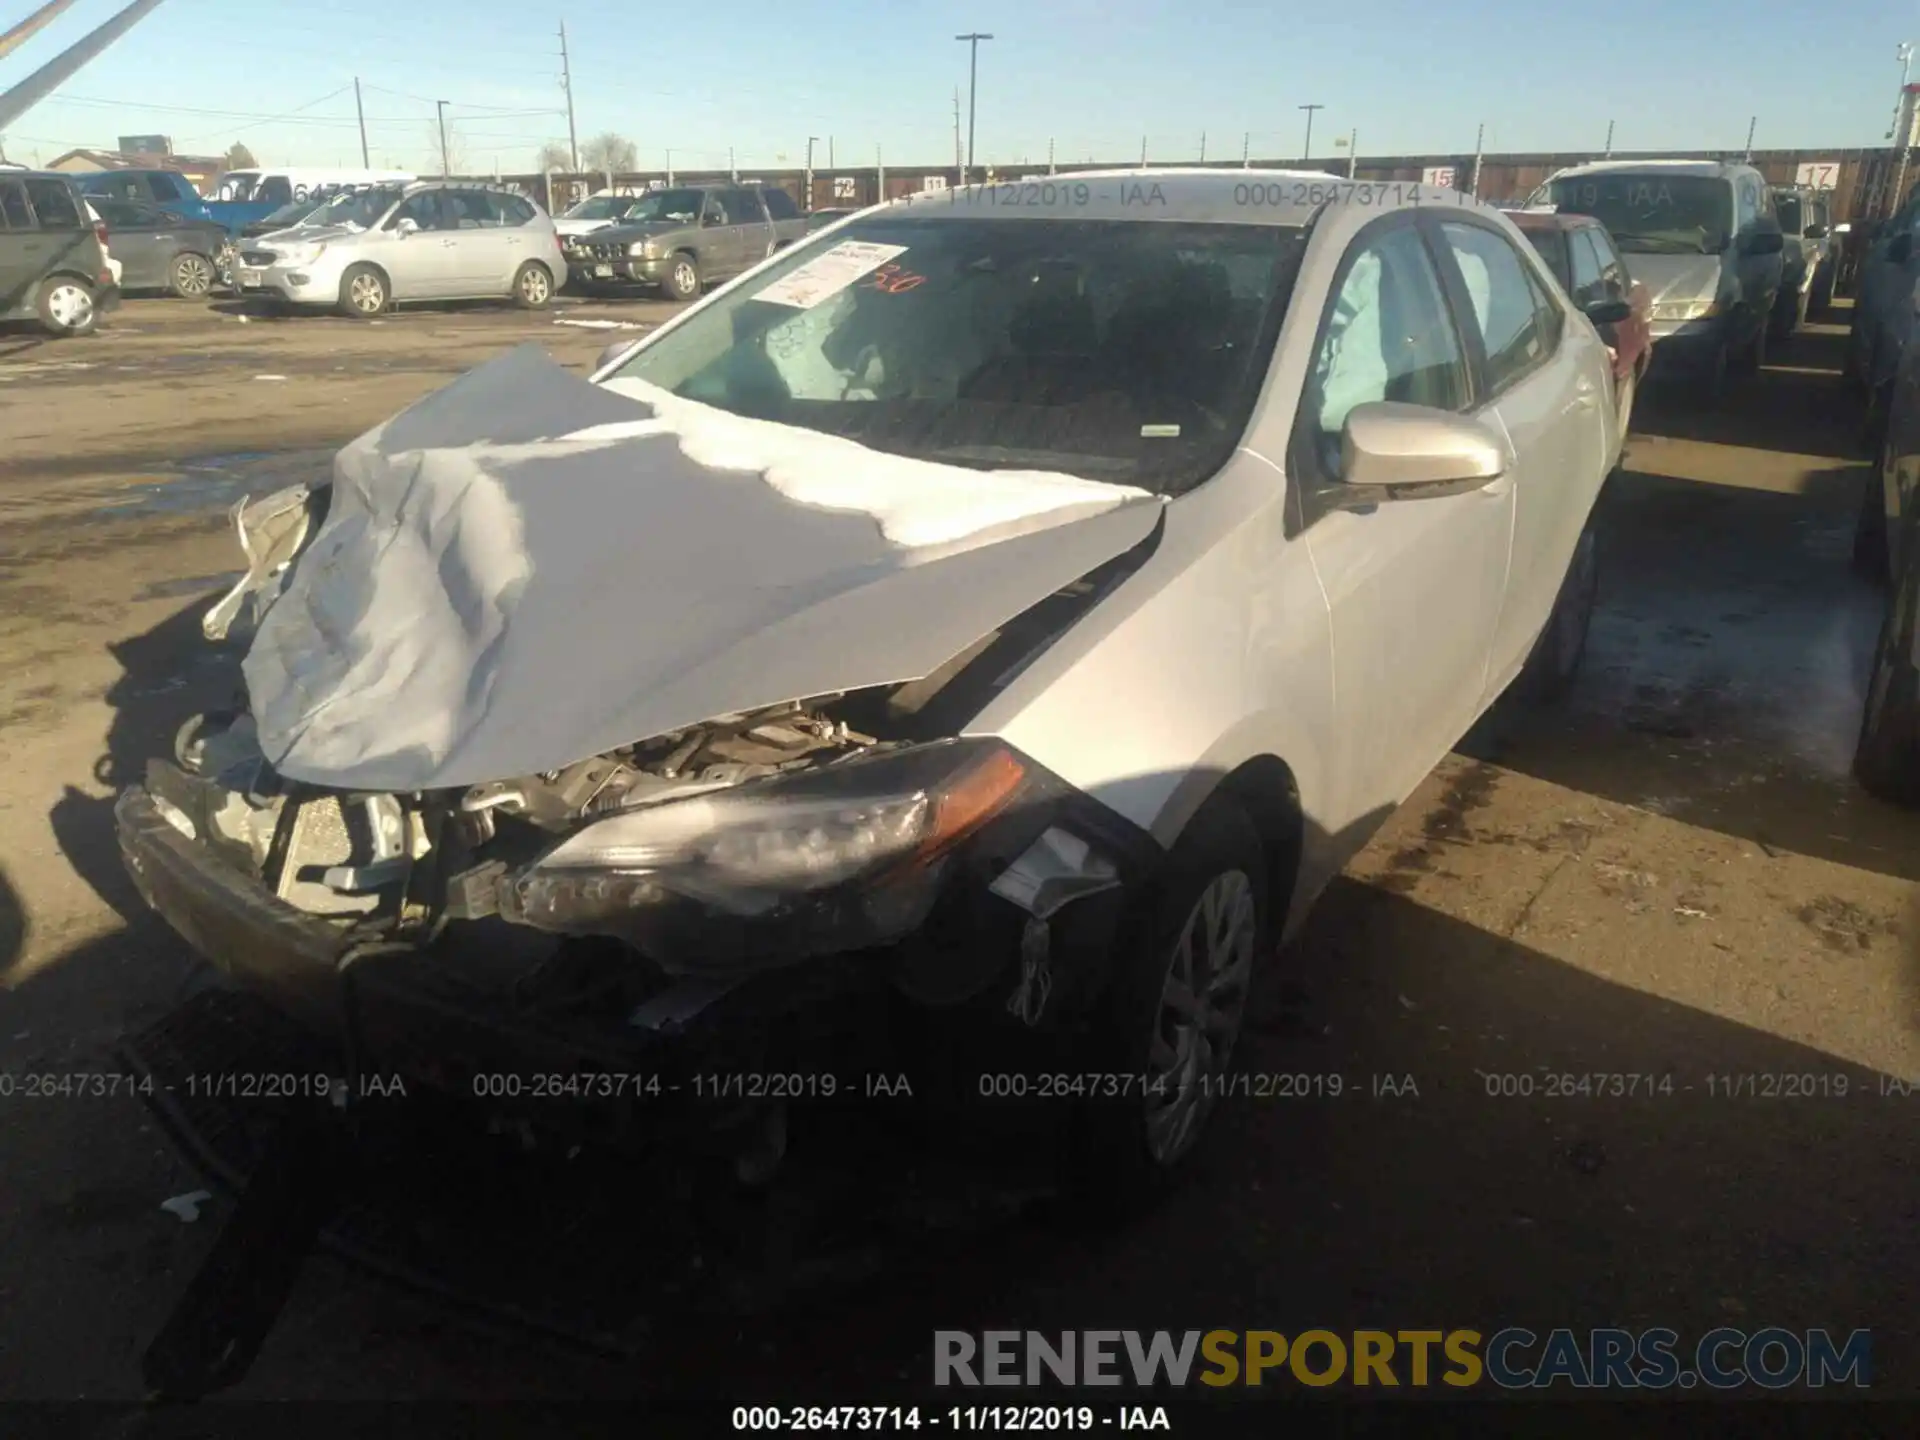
(1413, 586)
(418, 265)
(1546, 373)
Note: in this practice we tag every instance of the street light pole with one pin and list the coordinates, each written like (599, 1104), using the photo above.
(1310, 109)
(446, 159)
(810, 140)
(973, 40)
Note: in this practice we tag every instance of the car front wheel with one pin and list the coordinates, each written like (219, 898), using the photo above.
(364, 293)
(682, 280)
(1175, 1011)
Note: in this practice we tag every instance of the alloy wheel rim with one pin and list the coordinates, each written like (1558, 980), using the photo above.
(195, 276)
(367, 294)
(683, 276)
(1202, 1000)
(533, 285)
(70, 306)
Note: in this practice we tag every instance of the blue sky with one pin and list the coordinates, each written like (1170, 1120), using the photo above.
(1093, 75)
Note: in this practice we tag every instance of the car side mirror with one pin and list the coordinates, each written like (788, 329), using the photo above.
(1843, 228)
(406, 226)
(1609, 312)
(1900, 251)
(612, 353)
(1815, 232)
(1394, 451)
(1763, 242)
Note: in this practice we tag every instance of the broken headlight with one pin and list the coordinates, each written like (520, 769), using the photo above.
(844, 856)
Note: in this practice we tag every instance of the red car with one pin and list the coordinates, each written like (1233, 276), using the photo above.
(1582, 255)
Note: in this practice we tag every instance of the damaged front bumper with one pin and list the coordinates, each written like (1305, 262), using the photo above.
(537, 1014)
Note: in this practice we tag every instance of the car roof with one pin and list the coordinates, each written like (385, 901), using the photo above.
(44, 175)
(1711, 169)
(1191, 193)
(413, 186)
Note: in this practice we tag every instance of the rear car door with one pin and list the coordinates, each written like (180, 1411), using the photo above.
(58, 213)
(1545, 373)
(24, 251)
(482, 249)
(1414, 587)
(136, 239)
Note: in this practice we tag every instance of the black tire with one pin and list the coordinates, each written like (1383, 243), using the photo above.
(191, 276)
(1712, 381)
(1886, 760)
(533, 286)
(365, 292)
(1122, 1157)
(682, 280)
(1754, 355)
(65, 307)
(1554, 663)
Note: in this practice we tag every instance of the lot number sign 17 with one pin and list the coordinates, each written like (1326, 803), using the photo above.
(1818, 174)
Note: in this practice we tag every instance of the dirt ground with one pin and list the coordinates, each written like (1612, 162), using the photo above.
(1669, 876)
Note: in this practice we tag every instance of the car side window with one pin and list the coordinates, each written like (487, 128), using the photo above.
(1613, 270)
(743, 208)
(1516, 319)
(1748, 197)
(1584, 262)
(13, 206)
(513, 210)
(779, 204)
(472, 210)
(1388, 335)
(423, 209)
(160, 187)
(54, 205)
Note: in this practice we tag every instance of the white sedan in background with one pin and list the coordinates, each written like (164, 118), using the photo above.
(1030, 596)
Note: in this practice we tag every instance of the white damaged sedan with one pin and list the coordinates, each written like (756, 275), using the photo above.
(1000, 615)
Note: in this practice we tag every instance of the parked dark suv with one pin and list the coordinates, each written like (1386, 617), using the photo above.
(53, 265)
(685, 238)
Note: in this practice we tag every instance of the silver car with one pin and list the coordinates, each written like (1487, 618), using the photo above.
(1013, 606)
(367, 251)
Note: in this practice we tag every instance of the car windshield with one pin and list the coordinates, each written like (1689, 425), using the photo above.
(600, 207)
(681, 207)
(1787, 207)
(359, 208)
(1123, 351)
(1552, 245)
(1653, 214)
(290, 214)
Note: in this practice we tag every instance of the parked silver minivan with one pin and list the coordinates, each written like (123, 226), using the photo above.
(1704, 238)
(368, 250)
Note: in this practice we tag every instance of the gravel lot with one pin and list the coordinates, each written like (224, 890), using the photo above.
(1671, 876)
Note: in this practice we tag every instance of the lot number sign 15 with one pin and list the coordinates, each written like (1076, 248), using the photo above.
(1441, 175)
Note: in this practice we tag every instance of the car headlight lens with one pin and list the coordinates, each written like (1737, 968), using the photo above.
(637, 248)
(300, 254)
(1688, 309)
(846, 855)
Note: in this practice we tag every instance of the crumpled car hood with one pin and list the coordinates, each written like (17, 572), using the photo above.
(525, 569)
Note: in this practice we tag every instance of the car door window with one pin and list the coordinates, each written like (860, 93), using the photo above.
(13, 206)
(1613, 270)
(161, 188)
(779, 204)
(1748, 205)
(713, 213)
(423, 209)
(743, 208)
(1388, 335)
(1589, 286)
(1516, 320)
(53, 204)
(513, 210)
(473, 210)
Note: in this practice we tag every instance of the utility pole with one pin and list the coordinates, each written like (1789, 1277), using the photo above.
(1203, 147)
(566, 83)
(1479, 145)
(358, 109)
(1903, 121)
(810, 140)
(1050, 155)
(1750, 128)
(830, 164)
(1308, 154)
(973, 90)
(959, 174)
(1246, 150)
(1353, 151)
(732, 172)
(1609, 149)
(1143, 152)
(446, 156)
(880, 186)
(669, 167)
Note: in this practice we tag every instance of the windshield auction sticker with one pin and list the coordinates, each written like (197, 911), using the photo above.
(826, 275)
